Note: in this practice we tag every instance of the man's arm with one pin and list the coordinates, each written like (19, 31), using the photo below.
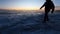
(43, 5)
(53, 8)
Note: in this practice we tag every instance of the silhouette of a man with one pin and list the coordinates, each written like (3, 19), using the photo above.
(49, 5)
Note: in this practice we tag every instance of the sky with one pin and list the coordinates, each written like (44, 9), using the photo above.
(25, 4)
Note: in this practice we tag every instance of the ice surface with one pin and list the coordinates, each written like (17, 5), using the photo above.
(29, 23)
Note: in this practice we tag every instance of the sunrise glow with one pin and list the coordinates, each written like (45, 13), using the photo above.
(25, 4)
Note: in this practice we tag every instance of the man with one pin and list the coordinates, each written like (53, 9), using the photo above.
(49, 5)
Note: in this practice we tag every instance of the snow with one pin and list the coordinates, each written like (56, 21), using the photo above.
(29, 23)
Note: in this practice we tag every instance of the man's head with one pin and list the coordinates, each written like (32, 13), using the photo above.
(48, 0)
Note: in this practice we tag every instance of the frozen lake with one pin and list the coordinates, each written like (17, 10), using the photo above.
(19, 22)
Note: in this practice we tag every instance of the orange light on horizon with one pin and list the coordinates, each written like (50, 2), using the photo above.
(28, 8)
(24, 8)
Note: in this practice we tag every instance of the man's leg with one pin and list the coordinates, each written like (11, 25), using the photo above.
(46, 16)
